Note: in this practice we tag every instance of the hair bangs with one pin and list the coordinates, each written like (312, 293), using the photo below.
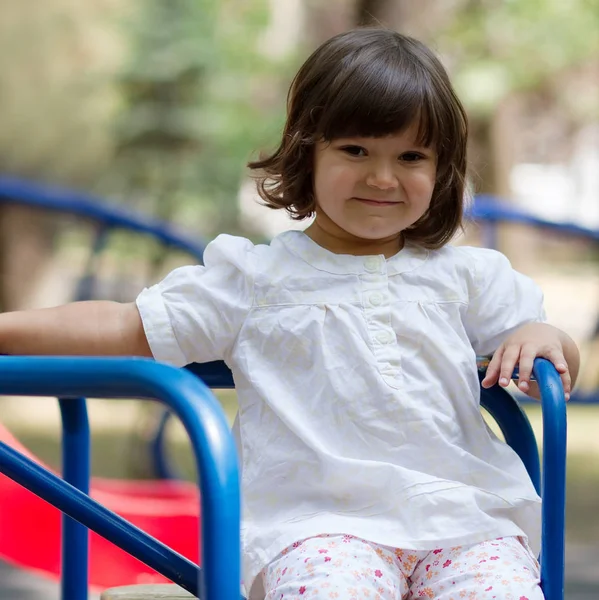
(376, 98)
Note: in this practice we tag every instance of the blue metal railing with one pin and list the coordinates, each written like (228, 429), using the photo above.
(553, 548)
(550, 483)
(211, 440)
(76, 456)
(105, 217)
(215, 453)
(490, 211)
(108, 216)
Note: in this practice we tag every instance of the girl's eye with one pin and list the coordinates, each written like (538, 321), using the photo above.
(354, 150)
(411, 157)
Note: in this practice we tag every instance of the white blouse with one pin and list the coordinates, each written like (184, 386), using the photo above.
(358, 390)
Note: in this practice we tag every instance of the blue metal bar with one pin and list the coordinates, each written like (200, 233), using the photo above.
(552, 484)
(161, 465)
(20, 191)
(515, 427)
(489, 234)
(76, 471)
(490, 208)
(203, 419)
(576, 397)
(91, 514)
(214, 374)
(553, 553)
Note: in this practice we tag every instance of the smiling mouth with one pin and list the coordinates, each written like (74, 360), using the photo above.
(371, 202)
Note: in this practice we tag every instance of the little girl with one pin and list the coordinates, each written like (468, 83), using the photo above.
(367, 468)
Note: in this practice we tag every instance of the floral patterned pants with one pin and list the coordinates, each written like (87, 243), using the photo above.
(348, 568)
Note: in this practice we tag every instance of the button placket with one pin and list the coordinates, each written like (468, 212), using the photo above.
(373, 264)
(376, 306)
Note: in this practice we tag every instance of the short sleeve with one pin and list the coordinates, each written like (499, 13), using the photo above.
(195, 313)
(500, 300)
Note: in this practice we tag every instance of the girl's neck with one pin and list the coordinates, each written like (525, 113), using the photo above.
(341, 242)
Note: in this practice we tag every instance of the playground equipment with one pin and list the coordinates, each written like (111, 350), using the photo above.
(216, 456)
(107, 218)
(211, 441)
(166, 510)
(138, 497)
(488, 212)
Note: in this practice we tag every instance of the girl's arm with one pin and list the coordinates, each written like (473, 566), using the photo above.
(523, 346)
(97, 328)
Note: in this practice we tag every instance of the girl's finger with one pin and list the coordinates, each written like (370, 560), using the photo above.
(566, 382)
(509, 360)
(493, 369)
(528, 354)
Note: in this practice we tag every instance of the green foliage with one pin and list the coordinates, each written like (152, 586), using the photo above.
(502, 46)
(196, 106)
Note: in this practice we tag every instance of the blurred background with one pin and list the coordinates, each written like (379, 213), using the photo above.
(155, 107)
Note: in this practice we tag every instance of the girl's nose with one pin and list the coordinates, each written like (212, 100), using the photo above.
(382, 177)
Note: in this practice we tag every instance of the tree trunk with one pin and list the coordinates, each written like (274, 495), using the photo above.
(26, 246)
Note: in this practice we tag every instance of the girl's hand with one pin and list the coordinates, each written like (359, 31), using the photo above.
(522, 347)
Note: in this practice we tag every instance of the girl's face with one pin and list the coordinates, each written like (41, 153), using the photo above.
(368, 190)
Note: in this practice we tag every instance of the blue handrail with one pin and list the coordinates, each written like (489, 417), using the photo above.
(211, 440)
(515, 427)
(553, 548)
(20, 191)
(552, 485)
(76, 471)
(492, 210)
(141, 378)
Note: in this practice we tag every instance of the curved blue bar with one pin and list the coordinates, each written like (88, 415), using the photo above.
(554, 478)
(20, 191)
(215, 375)
(202, 417)
(76, 461)
(161, 465)
(490, 208)
(515, 427)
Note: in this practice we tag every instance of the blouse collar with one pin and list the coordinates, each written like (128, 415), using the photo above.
(410, 257)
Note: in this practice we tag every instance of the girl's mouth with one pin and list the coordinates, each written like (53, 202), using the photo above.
(371, 202)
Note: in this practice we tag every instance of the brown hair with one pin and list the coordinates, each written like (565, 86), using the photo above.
(370, 82)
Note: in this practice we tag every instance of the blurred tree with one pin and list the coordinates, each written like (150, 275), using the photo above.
(158, 133)
(56, 62)
(502, 52)
(196, 96)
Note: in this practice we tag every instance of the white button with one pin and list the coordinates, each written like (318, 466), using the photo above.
(376, 299)
(372, 264)
(385, 337)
